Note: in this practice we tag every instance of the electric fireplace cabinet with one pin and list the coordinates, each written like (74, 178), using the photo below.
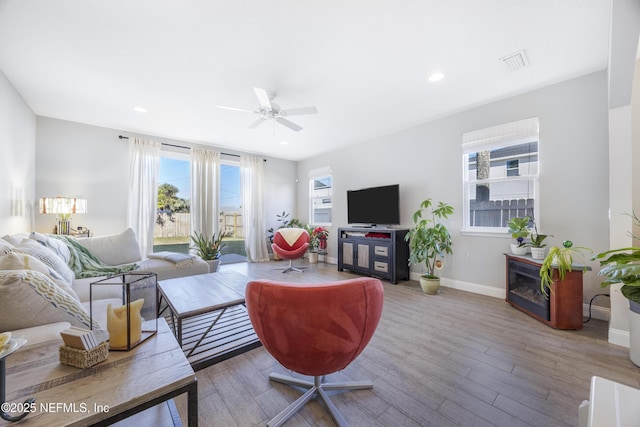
(561, 310)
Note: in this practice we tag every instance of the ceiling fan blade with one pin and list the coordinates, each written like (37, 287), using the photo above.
(290, 125)
(299, 111)
(257, 123)
(224, 107)
(263, 98)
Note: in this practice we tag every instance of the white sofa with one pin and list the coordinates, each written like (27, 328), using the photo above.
(34, 271)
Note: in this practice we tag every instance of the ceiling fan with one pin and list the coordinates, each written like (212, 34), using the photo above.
(271, 111)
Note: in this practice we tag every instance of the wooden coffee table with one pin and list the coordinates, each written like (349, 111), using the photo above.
(208, 315)
(127, 383)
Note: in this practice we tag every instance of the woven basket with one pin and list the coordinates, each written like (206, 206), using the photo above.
(83, 358)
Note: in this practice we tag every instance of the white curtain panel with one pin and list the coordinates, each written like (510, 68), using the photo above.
(252, 179)
(205, 189)
(144, 167)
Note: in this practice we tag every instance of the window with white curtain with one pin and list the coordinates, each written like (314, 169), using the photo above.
(320, 196)
(172, 227)
(501, 170)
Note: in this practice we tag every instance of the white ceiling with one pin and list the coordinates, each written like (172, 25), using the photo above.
(362, 63)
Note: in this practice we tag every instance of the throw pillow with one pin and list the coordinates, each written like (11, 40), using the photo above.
(15, 239)
(22, 261)
(5, 247)
(57, 246)
(29, 298)
(115, 249)
(46, 255)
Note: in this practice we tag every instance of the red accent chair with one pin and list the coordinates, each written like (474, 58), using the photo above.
(290, 243)
(315, 329)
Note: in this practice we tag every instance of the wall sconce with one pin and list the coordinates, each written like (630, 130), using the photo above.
(64, 207)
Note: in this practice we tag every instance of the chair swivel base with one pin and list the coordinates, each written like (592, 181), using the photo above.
(292, 268)
(316, 388)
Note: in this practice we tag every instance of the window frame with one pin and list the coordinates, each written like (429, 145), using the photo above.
(501, 136)
(314, 175)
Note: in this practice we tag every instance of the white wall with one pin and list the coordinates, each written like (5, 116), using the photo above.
(17, 162)
(79, 160)
(427, 162)
(624, 192)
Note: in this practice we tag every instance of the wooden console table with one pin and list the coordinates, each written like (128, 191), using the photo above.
(563, 307)
(127, 383)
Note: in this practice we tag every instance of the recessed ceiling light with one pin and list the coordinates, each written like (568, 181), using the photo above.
(140, 110)
(283, 142)
(434, 77)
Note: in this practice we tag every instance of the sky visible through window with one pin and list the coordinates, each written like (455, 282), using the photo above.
(177, 172)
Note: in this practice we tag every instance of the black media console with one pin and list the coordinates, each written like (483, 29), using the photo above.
(377, 252)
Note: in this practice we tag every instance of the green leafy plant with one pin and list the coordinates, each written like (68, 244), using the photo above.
(519, 228)
(559, 259)
(209, 248)
(536, 238)
(622, 266)
(429, 239)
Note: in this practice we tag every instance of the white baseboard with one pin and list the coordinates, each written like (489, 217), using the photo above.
(597, 312)
(619, 337)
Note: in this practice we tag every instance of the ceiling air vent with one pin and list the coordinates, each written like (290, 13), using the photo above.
(516, 60)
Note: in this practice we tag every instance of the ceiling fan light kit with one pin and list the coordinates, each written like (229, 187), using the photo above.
(271, 111)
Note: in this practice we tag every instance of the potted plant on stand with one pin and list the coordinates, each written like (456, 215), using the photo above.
(209, 248)
(538, 248)
(519, 229)
(429, 240)
(317, 240)
(560, 259)
(623, 266)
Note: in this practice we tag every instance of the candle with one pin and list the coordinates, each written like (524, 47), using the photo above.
(117, 324)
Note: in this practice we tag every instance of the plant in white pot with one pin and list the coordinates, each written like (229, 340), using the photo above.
(209, 248)
(519, 229)
(623, 266)
(538, 248)
(429, 240)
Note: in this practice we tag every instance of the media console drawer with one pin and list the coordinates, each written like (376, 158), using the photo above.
(381, 250)
(381, 266)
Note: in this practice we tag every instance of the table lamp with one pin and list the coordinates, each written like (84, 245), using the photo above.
(64, 207)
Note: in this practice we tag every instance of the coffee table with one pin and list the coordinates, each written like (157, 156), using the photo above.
(127, 383)
(208, 315)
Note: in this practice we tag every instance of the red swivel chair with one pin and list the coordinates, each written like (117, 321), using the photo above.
(290, 243)
(315, 329)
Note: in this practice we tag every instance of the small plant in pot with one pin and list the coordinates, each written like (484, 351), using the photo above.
(429, 240)
(558, 262)
(209, 248)
(538, 248)
(519, 229)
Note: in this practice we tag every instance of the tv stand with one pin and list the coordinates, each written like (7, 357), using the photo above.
(377, 252)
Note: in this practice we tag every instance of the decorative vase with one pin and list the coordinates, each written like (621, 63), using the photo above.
(323, 244)
(429, 286)
(538, 253)
(313, 257)
(518, 250)
(213, 265)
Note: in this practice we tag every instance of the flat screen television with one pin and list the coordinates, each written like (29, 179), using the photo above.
(374, 205)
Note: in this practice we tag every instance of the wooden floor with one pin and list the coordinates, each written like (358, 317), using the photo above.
(455, 358)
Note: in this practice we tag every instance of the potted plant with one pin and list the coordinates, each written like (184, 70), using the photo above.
(316, 236)
(560, 260)
(519, 229)
(623, 266)
(429, 240)
(209, 248)
(538, 248)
